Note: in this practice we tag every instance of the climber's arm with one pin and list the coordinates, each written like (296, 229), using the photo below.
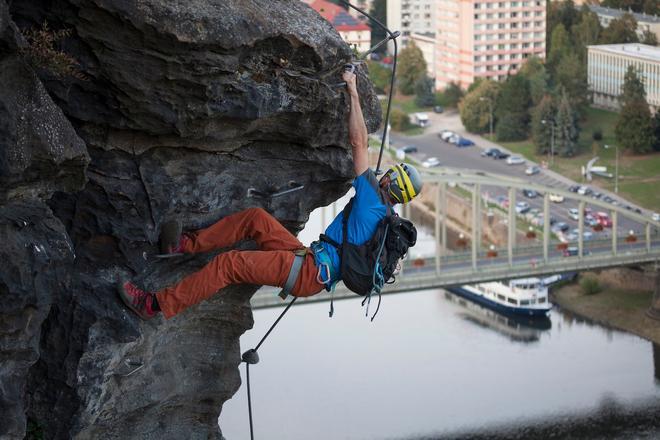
(357, 130)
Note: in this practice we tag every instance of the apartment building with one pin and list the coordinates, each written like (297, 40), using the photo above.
(645, 23)
(426, 43)
(608, 64)
(411, 16)
(355, 32)
(486, 38)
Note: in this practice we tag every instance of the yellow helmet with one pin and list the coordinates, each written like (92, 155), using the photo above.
(405, 182)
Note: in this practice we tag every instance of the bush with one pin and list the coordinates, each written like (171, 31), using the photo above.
(399, 120)
(598, 134)
(512, 127)
(590, 286)
(40, 52)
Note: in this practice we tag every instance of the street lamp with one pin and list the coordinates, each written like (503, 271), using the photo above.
(552, 139)
(490, 108)
(616, 167)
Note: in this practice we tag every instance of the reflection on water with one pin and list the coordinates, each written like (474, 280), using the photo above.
(422, 370)
(516, 328)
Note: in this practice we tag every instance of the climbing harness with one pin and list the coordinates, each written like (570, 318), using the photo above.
(251, 357)
(293, 273)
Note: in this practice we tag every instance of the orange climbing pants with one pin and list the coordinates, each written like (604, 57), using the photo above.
(268, 266)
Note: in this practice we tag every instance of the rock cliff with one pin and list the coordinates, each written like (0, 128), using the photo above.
(175, 109)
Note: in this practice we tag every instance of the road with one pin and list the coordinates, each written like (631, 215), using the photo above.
(429, 144)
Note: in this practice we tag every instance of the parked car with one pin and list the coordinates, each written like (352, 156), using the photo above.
(515, 160)
(530, 193)
(522, 207)
(590, 220)
(431, 162)
(500, 155)
(560, 227)
(574, 188)
(655, 217)
(586, 235)
(556, 198)
(574, 213)
(454, 139)
(438, 109)
(490, 152)
(607, 199)
(531, 170)
(570, 251)
(502, 201)
(409, 149)
(446, 134)
(603, 219)
(464, 142)
(584, 190)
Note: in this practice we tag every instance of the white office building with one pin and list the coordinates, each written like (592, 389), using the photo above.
(607, 67)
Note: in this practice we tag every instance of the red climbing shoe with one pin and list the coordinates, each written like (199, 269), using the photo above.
(137, 300)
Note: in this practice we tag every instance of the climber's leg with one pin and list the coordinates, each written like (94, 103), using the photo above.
(252, 223)
(269, 268)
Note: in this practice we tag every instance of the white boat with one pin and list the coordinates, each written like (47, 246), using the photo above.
(522, 296)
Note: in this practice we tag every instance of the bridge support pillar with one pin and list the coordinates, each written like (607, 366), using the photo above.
(654, 310)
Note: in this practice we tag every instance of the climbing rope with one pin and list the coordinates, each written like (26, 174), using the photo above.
(251, 357)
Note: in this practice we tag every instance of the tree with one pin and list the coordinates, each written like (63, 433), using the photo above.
(586, 32)
(475, 106)
(621, 30)
(453, 94)
(656, 128)
(424, 96)
(399, 120)
(411, 67)
(649, 38)
(632, 88)
(542, 132)
(634, 128)
(567, 130)
(512, 109)
(560, 46)
(380, 76)
(379, 12)
(571, 75)
(534, 72)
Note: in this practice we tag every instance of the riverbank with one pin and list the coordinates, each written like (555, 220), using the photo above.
(615, 306)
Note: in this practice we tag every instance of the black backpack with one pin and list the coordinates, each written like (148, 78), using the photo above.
(367, 267)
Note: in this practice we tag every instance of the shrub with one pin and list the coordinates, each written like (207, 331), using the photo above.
(598, 134)
(590, 285)
(41, 53)
(399, 120)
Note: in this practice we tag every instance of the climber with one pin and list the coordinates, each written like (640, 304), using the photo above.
(281, 260)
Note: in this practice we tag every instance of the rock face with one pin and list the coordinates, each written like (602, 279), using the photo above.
(179, 109)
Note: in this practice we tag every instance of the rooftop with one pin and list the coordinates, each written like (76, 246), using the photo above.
(617, 13)
(636, 50)
(338, 16)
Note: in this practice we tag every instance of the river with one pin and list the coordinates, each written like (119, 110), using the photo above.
(432, 365)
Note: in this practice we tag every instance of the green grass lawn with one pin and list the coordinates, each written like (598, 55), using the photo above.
(639, 176)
